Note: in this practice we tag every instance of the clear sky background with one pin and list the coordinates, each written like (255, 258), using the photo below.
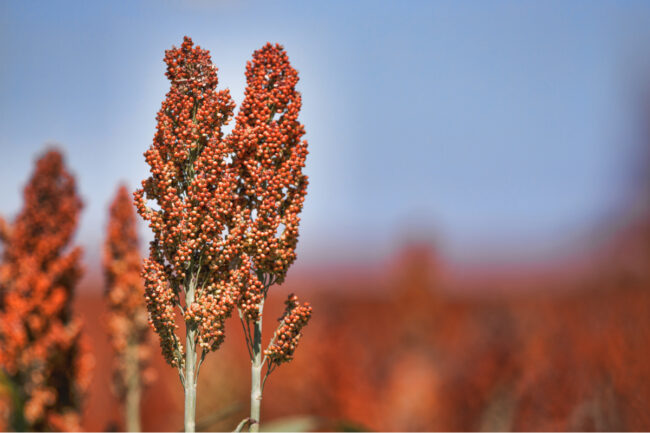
(502, 130)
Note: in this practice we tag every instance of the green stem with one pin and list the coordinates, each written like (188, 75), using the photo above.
(190, 364)
(17, 421)
(256, 372)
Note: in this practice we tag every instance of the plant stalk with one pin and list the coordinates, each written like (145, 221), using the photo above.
(133, 388)
(256, 372)
(190, 365)
(17, 421)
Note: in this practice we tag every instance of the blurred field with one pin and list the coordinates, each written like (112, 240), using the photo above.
(400, 346)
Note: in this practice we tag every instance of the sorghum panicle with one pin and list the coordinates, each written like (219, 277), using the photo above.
(128, 321)
(288, 334)
(269, 158)
(196, 232)
(43, 353)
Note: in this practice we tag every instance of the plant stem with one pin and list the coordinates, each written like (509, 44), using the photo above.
(256, 372)
(190, 382)
(17, 420)
(133, 388)
(190, 364)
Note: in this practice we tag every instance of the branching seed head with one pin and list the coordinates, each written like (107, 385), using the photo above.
(195, 221)
(225, 219)
(128, 323)
(42, 348)
(269, 158)
(295, 317)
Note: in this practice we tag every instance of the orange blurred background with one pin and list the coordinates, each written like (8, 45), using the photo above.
(401, 346)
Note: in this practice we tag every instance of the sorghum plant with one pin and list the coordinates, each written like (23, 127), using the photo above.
(269, 155)
(128, 321)
(42, 353)
(190, 266)
(226, 217)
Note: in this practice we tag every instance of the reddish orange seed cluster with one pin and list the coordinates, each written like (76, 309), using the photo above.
(197, 234)
(128, 321)
(288, 334)
(226, 216)
(269, 157)
(42, 352)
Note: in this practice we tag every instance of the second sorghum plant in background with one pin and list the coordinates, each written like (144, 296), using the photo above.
(127, 323)
(41, 350)
(269, 157)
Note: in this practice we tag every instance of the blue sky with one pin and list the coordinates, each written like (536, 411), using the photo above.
(499, 129)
